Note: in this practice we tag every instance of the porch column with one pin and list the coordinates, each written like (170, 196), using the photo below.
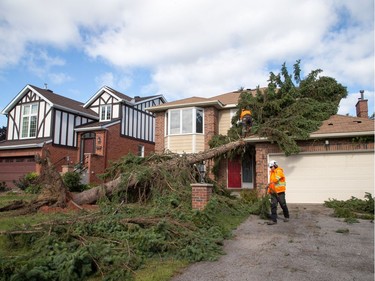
(200, 195)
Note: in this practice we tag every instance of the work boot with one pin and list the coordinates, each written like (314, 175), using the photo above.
(272, 222)
(286, 219)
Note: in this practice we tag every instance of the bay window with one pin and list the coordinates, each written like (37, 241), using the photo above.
(185, 121)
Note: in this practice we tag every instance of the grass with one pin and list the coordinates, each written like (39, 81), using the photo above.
(8, 197)
(160, 269)
(219, 213)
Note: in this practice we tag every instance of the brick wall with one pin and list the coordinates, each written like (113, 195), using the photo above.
(211, 126)
(58, 155)
(115, 147)
(200, 195)
(159, 131)
(61, 155)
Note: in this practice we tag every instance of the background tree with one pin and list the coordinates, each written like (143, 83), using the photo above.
(3, 133)
(290, 108)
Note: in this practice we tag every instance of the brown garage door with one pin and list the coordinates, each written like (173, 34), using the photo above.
(12, 168)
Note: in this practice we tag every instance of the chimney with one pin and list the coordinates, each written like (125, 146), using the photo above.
(361, 106)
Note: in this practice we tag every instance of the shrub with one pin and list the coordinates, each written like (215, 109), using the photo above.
(3, 187)
(72, 180)
(27, 180)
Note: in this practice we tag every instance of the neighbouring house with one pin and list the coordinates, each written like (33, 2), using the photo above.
(336, 162)
(89, 136)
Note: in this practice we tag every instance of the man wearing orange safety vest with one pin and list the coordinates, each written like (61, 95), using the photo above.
(276, 188)
(246, 121)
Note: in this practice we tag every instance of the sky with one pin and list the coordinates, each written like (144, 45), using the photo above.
(182, 48)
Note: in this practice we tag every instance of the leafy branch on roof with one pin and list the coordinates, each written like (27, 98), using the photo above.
(290, 108)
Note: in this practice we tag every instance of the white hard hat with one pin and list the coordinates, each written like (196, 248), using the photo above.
(272, 163)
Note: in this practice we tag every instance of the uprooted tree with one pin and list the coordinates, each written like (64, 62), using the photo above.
(132, 175)
(289, 109)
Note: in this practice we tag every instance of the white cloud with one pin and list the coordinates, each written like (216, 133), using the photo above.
(112, 80)
(196, 47)
(347, 105)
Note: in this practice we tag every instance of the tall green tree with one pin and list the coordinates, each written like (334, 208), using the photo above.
(291, 108)
(3, 133)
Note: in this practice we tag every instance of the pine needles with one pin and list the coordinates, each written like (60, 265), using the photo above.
(151, 219)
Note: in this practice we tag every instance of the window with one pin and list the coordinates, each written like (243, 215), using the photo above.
(105, 112)
(185, 121)
(141, 150)
(29, 120)
(199, 121)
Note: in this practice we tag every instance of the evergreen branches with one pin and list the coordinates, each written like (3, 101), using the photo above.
(291, 108)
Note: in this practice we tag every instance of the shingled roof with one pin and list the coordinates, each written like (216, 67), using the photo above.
(221, 101)
(342, 124)
(56, 100)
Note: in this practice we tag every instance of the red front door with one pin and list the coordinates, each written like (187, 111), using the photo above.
(234, 173)
(89, 146)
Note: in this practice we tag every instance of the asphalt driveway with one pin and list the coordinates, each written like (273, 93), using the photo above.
(313, 245)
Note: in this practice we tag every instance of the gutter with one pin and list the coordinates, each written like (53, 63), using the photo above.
(97, 127)
(317, 136)
(21, 146)
(215, 103)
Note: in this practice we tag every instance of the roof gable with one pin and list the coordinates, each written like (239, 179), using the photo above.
(119, 96)
(53, 99)
(105, 89)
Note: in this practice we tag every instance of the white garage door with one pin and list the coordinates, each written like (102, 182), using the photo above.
(314, 178)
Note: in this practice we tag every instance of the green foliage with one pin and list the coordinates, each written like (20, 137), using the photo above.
(150, 220)
(342, 230)
(30, 180)
(72, 181)
(4, 187)
(365, 139)
(353, 208)
(250, 195)
(290, 108)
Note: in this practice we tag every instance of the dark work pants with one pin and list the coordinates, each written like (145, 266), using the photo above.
(275, 199)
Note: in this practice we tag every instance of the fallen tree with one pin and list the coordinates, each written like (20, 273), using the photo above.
(137, 177)
(174, 161)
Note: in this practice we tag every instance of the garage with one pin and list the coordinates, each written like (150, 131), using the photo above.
(316, 177)
(12, 168)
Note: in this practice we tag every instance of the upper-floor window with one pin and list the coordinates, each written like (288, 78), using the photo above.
(105, 112)
(29, 120)
(185, 121)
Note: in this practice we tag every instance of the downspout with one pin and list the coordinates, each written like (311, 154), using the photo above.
(106, 149)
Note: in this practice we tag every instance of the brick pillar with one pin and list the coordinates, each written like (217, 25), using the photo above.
(211, 125)
(159, 132)
(200, 195)
(66, 168)
(261, 174)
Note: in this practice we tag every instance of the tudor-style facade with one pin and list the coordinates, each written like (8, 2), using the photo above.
(124, 126)
(336, 162)
(107, 127)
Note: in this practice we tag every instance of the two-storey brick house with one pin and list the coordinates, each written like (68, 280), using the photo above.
(105, 128)
(336, 162)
